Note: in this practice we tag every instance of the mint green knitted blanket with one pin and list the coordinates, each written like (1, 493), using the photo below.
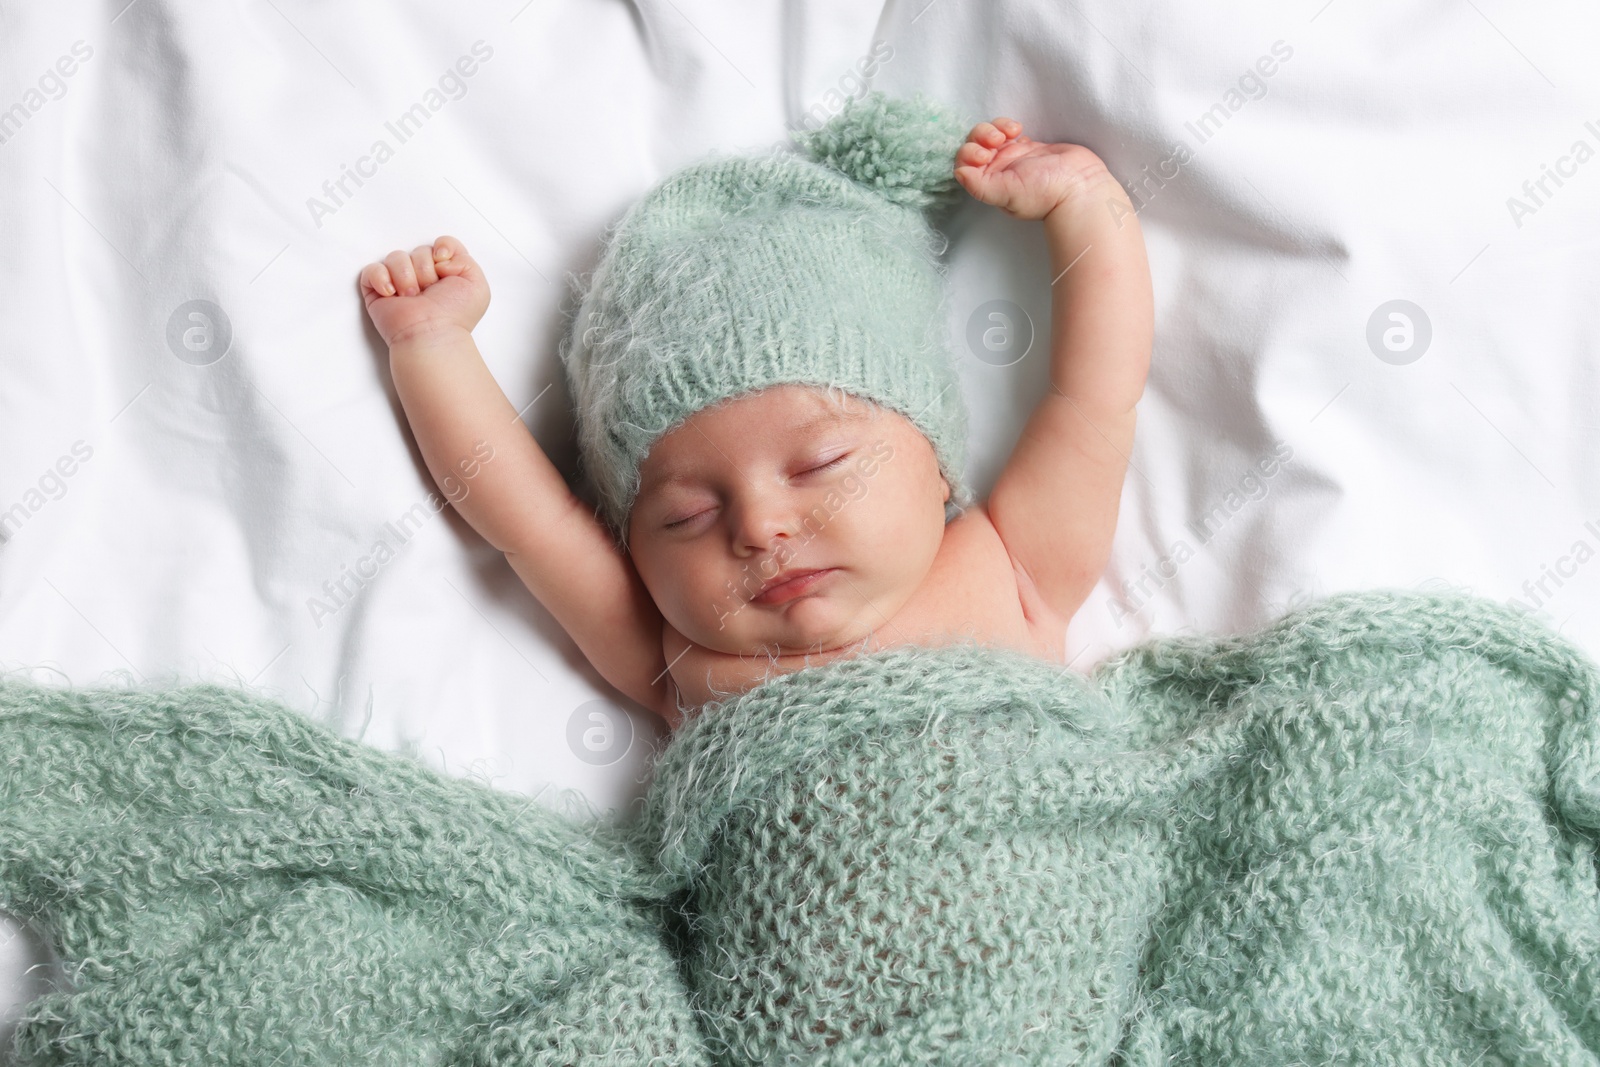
(1365, 834)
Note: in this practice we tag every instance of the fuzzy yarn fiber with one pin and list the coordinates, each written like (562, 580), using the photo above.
(1364, 834)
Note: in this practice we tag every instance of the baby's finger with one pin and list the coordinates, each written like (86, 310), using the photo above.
(459, 265)
(985, 133)
(447, 247)
(972, 154)
(422, 260)
(375, 279)
(402, 273)
(450, 257)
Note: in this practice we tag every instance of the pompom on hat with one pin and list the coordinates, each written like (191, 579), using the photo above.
(818, 266)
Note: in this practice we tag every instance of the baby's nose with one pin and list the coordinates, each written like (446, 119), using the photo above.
(761, 520)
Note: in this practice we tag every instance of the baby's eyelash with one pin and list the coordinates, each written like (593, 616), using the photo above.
(832, 463)
(826, 466)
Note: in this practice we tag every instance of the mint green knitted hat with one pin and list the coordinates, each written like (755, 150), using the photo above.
(817, 266)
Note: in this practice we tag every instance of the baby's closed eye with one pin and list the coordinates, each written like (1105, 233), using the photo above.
(679, 523)
(833, 463)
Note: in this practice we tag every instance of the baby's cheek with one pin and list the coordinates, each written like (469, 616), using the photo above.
(716, 602)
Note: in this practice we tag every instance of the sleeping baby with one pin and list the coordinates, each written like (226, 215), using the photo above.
(768, 410)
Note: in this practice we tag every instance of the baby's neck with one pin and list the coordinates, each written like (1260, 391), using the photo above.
(704, 676)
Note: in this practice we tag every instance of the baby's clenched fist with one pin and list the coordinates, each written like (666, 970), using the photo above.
(436, 287)
(1028, 179)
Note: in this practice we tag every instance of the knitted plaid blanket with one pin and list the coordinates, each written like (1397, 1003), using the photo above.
(1365, 834)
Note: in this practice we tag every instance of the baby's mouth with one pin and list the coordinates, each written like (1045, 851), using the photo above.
(787, 585)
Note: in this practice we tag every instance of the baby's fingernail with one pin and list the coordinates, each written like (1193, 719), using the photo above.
(441, 253)
(388, 288)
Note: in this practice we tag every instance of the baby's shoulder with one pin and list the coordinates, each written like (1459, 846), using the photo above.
(976, 585)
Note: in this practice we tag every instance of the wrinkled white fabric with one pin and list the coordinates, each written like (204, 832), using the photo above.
(188, 519)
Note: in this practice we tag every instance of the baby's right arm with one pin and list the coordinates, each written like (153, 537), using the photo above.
(425, 305)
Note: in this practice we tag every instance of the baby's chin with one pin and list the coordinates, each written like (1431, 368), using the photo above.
(808, 625)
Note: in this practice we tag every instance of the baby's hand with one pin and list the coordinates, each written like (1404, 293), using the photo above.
(1023, 177)
(435, 287)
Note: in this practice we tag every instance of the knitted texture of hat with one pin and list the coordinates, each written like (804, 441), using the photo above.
(1366, 834)
(817, 267)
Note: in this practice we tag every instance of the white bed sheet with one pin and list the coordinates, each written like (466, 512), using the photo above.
(1354, 155)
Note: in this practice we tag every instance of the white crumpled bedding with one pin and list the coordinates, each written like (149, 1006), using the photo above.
(204, 497)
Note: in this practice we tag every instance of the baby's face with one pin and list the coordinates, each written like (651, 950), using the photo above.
(782, 480)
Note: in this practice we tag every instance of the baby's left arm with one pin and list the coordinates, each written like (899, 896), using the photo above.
(1055, 504)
